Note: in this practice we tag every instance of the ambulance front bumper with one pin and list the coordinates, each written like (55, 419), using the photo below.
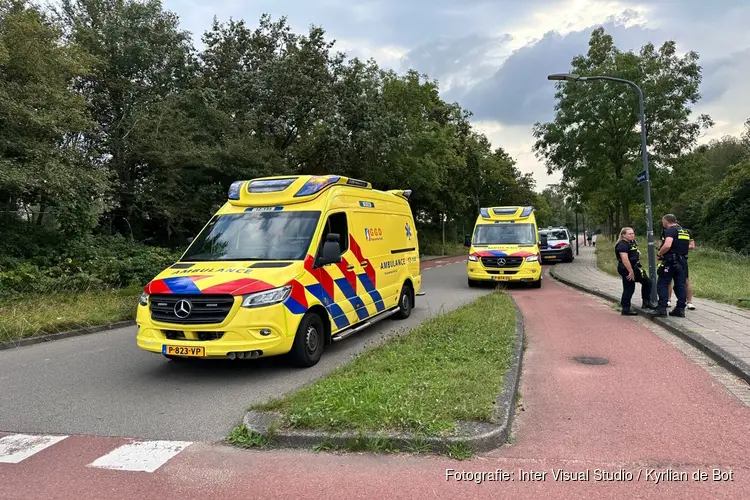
(247, 333)
(527, 271)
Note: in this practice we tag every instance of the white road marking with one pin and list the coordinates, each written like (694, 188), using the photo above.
(18, 447)
(141, 456)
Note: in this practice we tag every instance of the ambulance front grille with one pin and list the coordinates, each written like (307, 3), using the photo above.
(192, 336)
(509, 261)
(203, 309)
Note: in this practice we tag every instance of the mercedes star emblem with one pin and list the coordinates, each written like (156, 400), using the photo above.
(501, 262)
(183, 308)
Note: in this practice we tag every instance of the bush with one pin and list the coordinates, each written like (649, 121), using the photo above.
(97, 262)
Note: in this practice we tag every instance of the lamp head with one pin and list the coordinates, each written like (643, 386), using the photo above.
(568, 77)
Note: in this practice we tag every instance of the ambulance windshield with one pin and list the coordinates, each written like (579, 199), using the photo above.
(255, 235)
(504, 234)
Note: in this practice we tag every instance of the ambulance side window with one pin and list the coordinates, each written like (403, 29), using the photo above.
(336, 224)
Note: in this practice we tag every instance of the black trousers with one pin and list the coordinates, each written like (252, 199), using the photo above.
(628, 287)
(676, 270)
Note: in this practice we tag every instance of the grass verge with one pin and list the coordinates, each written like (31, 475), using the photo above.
(33, 315)
(715, 275)
(448, 369)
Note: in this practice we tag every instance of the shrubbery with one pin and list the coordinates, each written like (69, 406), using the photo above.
(36, 260)
(97, 262)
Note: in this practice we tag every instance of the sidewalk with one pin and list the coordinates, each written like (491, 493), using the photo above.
(721, 330)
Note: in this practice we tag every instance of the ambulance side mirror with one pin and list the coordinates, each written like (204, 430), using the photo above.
(331, 253)
(467, 242)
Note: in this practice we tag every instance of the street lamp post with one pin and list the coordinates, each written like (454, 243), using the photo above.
(569, 77)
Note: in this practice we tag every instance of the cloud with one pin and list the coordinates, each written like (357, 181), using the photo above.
(456, 63)
(493, 56)
(378, 22)
(519, 92)
(727, 100)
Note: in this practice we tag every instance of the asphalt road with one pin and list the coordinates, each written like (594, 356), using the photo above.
(102, 384)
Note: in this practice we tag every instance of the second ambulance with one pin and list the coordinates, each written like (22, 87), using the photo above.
(505, 247)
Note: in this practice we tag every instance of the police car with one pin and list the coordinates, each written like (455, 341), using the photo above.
(556, 244)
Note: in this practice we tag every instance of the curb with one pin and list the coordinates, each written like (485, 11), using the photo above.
(723, 357)
(480, 436)
(64, 335)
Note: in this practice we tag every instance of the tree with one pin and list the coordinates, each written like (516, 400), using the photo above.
(727, 209)
(42, 161)
(594, 139)
(686, 187)
(141, 57)
(556, 198)
(137, 126)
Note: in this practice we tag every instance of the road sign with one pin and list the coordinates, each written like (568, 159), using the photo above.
(641, 176)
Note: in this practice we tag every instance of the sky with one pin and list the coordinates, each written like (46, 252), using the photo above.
(493, 56)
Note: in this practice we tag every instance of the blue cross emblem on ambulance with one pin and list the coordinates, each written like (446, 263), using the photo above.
(408, 231)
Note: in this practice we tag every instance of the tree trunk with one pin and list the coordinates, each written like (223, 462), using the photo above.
(617, 217)
(626, 210)
(620, 197)
(42, 208)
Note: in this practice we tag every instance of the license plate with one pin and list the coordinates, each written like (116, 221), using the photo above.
(181, 350)
(501, 278)
(551, 257)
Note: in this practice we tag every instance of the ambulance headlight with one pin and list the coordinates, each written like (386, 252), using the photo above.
(473, 258)
(267, 297)
(144, 299)
(532, 258)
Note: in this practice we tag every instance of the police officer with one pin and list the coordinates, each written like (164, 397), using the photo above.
(688, 284)
(674, 266)
(630, 269)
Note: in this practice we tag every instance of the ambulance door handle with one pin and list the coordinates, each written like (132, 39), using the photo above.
(350, 268)
(363, 264)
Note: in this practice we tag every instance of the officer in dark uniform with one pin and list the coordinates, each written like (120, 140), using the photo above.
(688, 285)
(630, 269)
(673, 266)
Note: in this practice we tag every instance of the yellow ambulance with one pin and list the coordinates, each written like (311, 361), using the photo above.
(505, 247)
(286, 266)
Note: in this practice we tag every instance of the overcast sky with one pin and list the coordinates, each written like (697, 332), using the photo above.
(492, 56)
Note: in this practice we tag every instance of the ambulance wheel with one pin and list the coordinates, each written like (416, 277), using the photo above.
(537, 283)
(308, 342)
(404, 303)
(473, 283)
